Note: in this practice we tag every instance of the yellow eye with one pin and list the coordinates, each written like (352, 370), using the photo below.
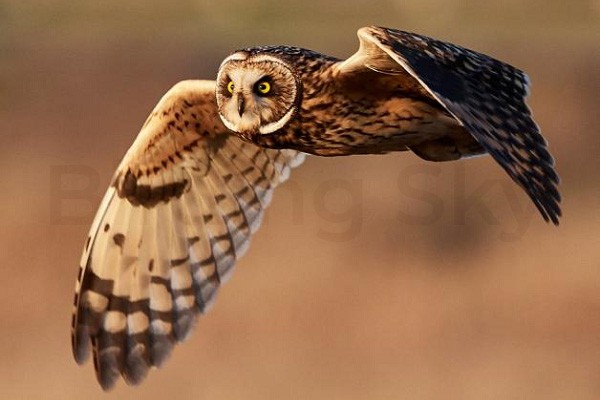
(230, 87)
(263, 87)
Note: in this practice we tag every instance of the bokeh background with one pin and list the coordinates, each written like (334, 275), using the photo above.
(373, 277)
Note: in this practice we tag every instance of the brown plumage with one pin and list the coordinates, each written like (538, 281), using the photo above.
(192, 188)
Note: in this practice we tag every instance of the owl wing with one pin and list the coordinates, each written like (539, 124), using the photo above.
(180, 211)
(485, 95)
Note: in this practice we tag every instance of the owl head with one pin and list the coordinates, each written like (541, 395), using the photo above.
(257, 94)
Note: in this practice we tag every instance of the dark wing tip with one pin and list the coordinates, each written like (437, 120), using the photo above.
(487, 97)
(528, 162)
(80, 344)
(106, 364)
(137, 360)
(547, 204)
(121, 353)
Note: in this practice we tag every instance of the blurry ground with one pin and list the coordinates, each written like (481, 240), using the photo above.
(372, 277)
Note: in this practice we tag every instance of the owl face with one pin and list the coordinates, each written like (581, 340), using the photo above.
(256, 94)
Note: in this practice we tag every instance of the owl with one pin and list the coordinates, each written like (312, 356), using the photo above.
(193, 187)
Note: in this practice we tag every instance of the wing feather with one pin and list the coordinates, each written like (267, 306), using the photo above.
(486, 96)
(178, 215)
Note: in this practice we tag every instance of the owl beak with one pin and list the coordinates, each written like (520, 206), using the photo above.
(240, 105)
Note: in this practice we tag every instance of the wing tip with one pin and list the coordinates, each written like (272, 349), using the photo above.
(556, 214)
(546, 201)
(551, 215)
(137, 366)
(80, 346)
(107, 368)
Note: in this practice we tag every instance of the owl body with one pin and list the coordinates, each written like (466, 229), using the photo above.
(192, 189)
(338, 115)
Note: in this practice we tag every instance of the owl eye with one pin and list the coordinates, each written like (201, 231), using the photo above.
(263, 87)
(230, 87)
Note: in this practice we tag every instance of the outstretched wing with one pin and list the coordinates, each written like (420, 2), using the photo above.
(485, 95)
(178, 214)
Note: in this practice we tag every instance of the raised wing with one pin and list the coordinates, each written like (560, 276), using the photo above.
(485, 95)
(179, 213)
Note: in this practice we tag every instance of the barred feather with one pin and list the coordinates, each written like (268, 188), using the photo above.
(486, 96)
(177, 217)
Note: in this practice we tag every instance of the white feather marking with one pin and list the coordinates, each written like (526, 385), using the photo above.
(295, 158)
(276, 125)
(161, 298)
(137, 323)
(95, 301)
(185, 302)
(230, 125)
(160, 327)
(114, 321)
(180, 277)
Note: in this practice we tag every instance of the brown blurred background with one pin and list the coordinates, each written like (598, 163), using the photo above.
(373, 277)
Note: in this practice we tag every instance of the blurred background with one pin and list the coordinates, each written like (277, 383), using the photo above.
(372, 276)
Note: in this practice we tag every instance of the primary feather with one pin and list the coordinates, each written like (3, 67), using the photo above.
(178, 214)
(486, 96)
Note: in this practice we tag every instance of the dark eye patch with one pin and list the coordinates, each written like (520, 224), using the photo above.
(224, 81)
(272, 88)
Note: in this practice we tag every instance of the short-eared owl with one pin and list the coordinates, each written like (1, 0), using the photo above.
(192, 188)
